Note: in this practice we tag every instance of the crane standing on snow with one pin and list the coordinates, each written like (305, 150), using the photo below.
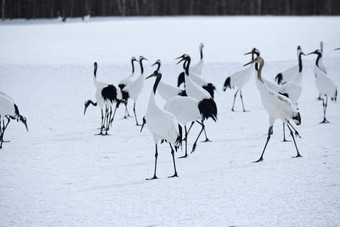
(277, 106)
(324, 84)
(162, 125)
(8, 110)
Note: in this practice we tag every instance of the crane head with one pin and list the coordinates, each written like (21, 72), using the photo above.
(318, 52)
(256, 60)
(24, 120)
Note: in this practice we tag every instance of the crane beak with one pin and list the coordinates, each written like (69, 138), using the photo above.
(337, 48)
(303, 53)
(180, 60)
(251, 62)
(311, 53)
(154, 63)
(24, 120)
(153, 74)
(248, 53)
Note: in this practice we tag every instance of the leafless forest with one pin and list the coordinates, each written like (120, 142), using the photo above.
(78, 8)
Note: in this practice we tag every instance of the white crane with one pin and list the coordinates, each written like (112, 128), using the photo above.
(290, 89)
(198, 93)
(196, 75)
(325, 85)
(162, 125)
(134, 89)
(186, 109)
(106, 95)
(320, 65)
(294, 73)
(277, 106)
(123, 84)
(8, 110)
(198, 67)
(239, 79)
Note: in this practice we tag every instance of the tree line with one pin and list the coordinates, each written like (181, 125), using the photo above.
(78, 8)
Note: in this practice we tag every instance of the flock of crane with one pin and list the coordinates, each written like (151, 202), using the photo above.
(195, 103)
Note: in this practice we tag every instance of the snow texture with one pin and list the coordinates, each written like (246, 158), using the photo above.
(61, 174)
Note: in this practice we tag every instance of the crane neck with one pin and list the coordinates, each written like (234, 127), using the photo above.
(141, 66)
(256, 64)
(318, 60)
(133, 66)
(201, 52)
(259, 72)
(186, 66)
(158, 79)
(300, 63)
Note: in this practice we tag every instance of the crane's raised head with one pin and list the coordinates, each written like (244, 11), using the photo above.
(142, 58)
(24, 120)
(299, 51)
(201, 46)
(254, 51)
(183, 57)
(158, 63)
(95, 65)
(133, 59)
(256, 60)
(318, 52)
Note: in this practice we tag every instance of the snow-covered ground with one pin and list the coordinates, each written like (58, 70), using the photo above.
(60, 174)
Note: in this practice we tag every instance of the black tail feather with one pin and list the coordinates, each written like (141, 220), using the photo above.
(279, 78)
(180, 136)
(336, 95)
(208, 109)
(284, 94)
(109, 93)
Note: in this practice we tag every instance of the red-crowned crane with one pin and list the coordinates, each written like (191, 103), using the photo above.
(162, 125)
(325, 85)
(239, 79)
(123, 84)
(277, 106)
(134, 89)
(294, 73)
(198, 93)
(8, 110)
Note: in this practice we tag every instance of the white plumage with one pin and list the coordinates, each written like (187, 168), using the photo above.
(239, 79)
(162, 125)
(135, 88)
(198, 67)
(277, 106)
(294, 73)
(8, 110)
(324, 84)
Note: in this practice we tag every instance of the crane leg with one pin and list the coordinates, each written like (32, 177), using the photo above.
(186, 143)
(296, 132)
(297, 150)
(284, 133)
(173, 160)
(199, 134)
(192, 123)
(156, 156)
(270, 132)
(2, 130)
(113, 116)
(102, 124)
(324, 104)
(205, 133)
(241, 96)
(126, 111)
(134, 111)
(232, 108)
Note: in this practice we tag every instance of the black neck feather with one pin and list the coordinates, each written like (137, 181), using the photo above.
(300, 63)
(158, 79)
